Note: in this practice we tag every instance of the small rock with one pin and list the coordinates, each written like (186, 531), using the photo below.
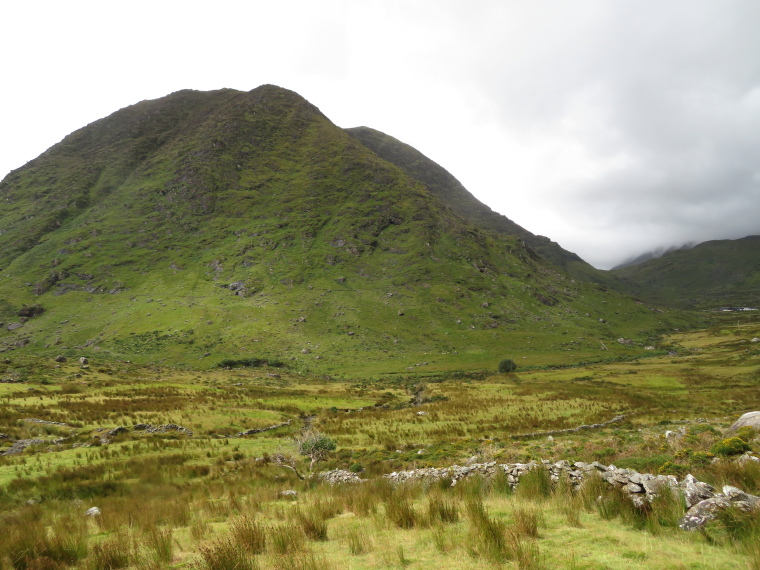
(83, 360)
(288, 493)
(60, 358)
(92, 512)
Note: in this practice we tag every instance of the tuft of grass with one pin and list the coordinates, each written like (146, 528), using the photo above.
(161, 545)
(441, 509)
(534, 485)
(114, 553)
(249, 534)
(359, 541)
(285, 538)
(226, 555)
(312, 522)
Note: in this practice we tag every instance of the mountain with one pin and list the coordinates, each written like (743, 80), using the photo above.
(654, 254)
(709, 275)
(451, 192)
(206, 226)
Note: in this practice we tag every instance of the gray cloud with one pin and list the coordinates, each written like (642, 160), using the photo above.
(663, 99)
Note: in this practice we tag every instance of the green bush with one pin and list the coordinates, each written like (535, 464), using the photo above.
(730, 446)
(670, 468)
(746, 433)
(701, 458)
(507, 365)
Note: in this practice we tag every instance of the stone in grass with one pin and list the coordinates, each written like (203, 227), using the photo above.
(695, 491)
(288, 494)
(750, 419)
(92, 512)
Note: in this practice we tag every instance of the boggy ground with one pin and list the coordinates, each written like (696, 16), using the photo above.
(171, 499)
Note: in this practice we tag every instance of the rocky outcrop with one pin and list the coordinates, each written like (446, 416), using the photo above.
(750, 419)
(20, 445)
(709, 509)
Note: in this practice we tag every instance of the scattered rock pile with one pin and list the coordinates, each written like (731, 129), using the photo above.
(45, 422)
(580, 428)
(259, 430)
(20, 445)
(339, 476)
(161, 429)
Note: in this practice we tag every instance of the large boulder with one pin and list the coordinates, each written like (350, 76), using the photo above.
(751, 419)
(695, 491)
(703, 512)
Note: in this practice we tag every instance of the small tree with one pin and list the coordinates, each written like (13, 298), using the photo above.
(315, 446)
(507, 365)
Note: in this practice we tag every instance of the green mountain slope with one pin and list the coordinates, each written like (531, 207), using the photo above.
(709, 275)
(451, 192)
(203, 226)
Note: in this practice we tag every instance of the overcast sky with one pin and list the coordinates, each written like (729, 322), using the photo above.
(612, 127)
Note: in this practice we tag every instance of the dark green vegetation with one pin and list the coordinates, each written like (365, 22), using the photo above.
(723, 273)
(209, 495)
(212, 226)
(450, 191)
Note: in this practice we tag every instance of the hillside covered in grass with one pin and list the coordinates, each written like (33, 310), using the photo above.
(709, 275)
(206, 226)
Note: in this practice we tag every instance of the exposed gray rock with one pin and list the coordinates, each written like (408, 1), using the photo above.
(20, 445)
(45, 422)
(259, 430)
(60, 358)
(13, 326)
(737, 495)
(703, 512)
(92, 512)
(751, 419)
(339, 476)
(695, 491)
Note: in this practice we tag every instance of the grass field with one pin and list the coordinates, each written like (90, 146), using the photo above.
(169, 499)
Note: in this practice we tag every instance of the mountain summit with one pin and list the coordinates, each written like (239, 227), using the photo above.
(224, 224)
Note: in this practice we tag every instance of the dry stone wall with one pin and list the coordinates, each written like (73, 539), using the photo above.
(702, 501)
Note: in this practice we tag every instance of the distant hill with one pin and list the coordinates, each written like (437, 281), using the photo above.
(659, 252)
(206, 226)
(708, 275)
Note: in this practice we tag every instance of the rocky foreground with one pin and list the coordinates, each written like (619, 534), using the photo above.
(703, 502)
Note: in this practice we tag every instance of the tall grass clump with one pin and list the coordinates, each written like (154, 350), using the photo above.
(312, 522)
(160, 543)
(443, 510)
(527, 521)
(26, 542)
(359, 541)
(535, 485)
(285, 538)
(114, 553)
(488, 536)
(400, 511)
(569, 501)
(226, 555)
(249, 534)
